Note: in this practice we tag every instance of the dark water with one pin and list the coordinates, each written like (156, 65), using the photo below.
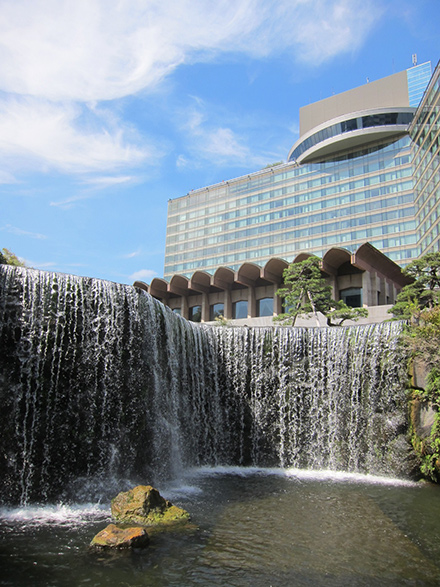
(250, 527)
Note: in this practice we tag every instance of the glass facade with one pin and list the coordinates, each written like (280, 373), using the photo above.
(265, 307)
(425, 132)
(240, 310)
(358, 123)
(418, 79)
(365, 194)
(215, 311)
(280, 212)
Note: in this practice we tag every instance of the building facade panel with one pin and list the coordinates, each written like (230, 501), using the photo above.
(425, 134)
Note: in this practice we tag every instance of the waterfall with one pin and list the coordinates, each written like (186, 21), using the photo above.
(100, 382)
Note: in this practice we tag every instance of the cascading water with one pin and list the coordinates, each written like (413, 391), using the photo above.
(98, 381)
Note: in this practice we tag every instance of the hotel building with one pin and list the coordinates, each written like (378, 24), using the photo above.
(364, 170)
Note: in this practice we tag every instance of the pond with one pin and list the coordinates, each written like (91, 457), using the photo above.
(250, 527)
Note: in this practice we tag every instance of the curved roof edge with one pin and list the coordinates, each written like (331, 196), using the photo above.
(353, 130)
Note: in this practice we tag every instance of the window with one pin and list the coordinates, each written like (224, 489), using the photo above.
(195, 313)
(215, 311)
(352, 296)
(265, 307)
(177, 311)
(239, 309)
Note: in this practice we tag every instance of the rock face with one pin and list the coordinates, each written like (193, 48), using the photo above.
(145, 506)
(115, 537)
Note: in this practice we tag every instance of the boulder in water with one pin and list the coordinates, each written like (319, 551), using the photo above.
(145, 506)
(115, 537)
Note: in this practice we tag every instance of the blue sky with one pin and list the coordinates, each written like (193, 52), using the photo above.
(108, 108)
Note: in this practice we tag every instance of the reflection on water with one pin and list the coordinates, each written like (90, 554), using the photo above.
(255, 527)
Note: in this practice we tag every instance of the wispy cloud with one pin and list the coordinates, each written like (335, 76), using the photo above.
(109, 181)
(219, 144)
(131, 255)
(143, 274)
(60, 59)
(42, 133)
(20, 232)
(104, 49)
(72, 200)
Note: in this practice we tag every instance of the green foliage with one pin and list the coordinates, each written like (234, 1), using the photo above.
(423, 339)
(342, 312)
(222, 321)
(306, 292)
(419, 304)
(430, 453)
(423, 292)
(8, 258)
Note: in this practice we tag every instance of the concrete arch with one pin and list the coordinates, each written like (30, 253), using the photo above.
(302, 257)
(200, 281)
(159, 289)
(334, 258)
(248, 274)
(179, 284)
(141, 285)
(223, 278)
(274, 269)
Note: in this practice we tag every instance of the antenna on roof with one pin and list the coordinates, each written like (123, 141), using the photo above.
(414, 58)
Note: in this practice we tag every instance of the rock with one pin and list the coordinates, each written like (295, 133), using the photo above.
(115, 537)
(144, 505)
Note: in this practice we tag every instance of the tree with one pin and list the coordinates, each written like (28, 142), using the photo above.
(8, 258)
(419, 304)
(306, 292)
(423, 293)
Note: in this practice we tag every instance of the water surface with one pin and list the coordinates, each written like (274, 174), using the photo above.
(254, 527)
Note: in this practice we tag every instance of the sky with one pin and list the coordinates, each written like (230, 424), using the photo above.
(109, 108)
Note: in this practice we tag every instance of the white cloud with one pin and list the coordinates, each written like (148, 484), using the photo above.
(59, 59)
(108, 181)
(21, 232)
(39, 132)
(104, 49)
(131, 255)
(143, 274)
(219, 145)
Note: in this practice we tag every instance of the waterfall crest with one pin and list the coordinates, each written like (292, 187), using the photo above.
(100, 381)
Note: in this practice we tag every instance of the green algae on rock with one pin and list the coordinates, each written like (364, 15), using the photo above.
(115, 537)
(145, 506)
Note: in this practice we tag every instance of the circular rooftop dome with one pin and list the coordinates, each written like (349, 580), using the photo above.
(351, 131)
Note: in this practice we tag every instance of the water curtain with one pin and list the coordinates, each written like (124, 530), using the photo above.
(100, 382)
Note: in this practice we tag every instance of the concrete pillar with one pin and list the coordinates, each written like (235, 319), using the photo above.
(333, 281)
(369, 294)
(227, 304)
(205, 307)
(381, 288)
(184, 308)
(252, 302)
(277, 301)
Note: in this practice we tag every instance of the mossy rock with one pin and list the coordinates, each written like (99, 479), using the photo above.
(145, 506)
(115, 537)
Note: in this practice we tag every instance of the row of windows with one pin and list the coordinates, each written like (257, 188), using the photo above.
(350, 241)
(336, 176)
(280, 230)
(400, 255)
(266, 221)
(361, 162)
(293, 238)
(321, 197)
